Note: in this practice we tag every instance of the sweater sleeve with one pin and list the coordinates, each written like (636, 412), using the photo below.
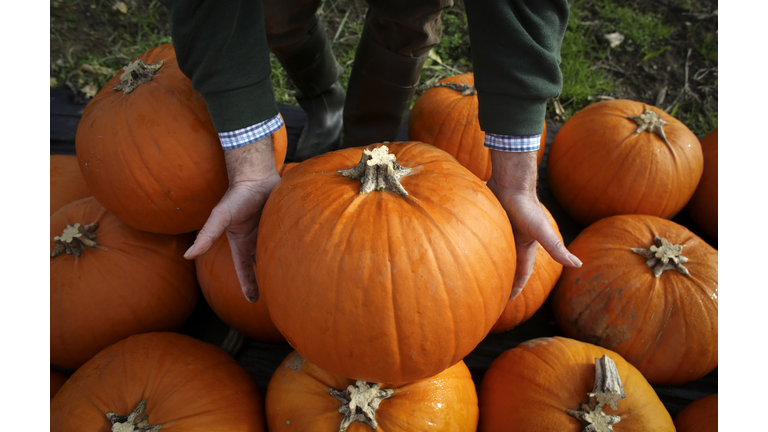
(221, 46)
(516, 61)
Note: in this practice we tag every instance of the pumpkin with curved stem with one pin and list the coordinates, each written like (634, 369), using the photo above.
(400, 258)
(623, 157)
(647, 290)
(545, 274)
(543, 385)
(703, 204)
(67, 183)
(698, 416)
(303, 397)
(446, 116)
(148, 151)
(168, 380)
(109, 281)
(221, 288)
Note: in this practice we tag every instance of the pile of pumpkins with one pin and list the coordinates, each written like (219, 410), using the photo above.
(383, 267)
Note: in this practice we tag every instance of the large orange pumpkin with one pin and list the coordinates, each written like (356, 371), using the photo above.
(67, 183)
(665, 325)
(57, 381)
(129, 282)
(545, 274)
(187, 385)
(623, 157)
(221, 288)
(446, 116)
(379, 286)
(534, 386)
(703, 204)
(151, 155)
(698, 416)
(303, 397)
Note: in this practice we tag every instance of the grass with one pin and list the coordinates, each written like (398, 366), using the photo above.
(588, 72)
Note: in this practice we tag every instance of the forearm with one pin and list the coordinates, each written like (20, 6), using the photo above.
(516, 58)
(222, 47)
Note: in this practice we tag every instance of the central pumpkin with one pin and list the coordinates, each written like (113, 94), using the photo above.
(384, 286)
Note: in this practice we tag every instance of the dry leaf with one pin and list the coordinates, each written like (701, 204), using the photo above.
(121, 7)
(614, 39)
(89, 90)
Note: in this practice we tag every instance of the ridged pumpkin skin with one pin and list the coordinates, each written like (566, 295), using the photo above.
(151, 156)
(530, 387)
(409, 284)
(703, 204)
(67, 183)
(189, 386)
(298, 399)
(699, 416)
(666, 326)
(448, 120)
(599, 167)
(136, 282)
(221, 289)
(545, 274)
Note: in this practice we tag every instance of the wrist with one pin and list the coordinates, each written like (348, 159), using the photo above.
(251, 162)
(514, 172)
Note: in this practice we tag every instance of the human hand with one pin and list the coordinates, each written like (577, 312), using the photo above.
(513, 181)
(252, 175)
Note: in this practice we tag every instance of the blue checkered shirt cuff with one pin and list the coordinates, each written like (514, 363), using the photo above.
(511, 143)
(238, 138)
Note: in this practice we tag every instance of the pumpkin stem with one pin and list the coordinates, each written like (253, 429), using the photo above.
(663, 256)
(651, 122)
(137, 421)
(607, 390)
(360, 402)
(75, 239)
(465, 89)
(137, 73)
(377, 170)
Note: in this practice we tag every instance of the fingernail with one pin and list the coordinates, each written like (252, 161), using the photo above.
(186, 254)
(575, 261)
(515, 292)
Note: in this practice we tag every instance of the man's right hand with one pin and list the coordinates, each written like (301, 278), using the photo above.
(252, 175)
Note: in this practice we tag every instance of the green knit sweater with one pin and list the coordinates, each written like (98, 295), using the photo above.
(222, 47)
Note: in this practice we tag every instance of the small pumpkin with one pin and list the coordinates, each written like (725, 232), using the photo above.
(703, 204)
(221, 288)
(287, 167)
(545, 274)
(445, 116)
(303, 397)
(543, 385)
(148, 151)
(172, 381)
(623, 157)
(408, 272)
(648, 291)
(67, 183)
(698, 416)
(109, 281)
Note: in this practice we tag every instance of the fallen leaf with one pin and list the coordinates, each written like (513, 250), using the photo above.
(89, 90)
(121, 7)
(614, 39)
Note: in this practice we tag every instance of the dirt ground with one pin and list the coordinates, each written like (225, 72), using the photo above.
(681, 75)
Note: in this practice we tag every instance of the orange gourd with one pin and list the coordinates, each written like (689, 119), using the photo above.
(698, 416)
(67, 183)
(533, 386)
(221, 289)
(665, 325)
(150, 154)
(187, 385)
(446, 116)
(602, 162)
(57, 381)
(126, 282)
(545, 274)
(303, 397)
(287, 167)
(409, 283)
(703, 204)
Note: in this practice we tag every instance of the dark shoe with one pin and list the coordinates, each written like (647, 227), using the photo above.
(313, 69)
(381, 88)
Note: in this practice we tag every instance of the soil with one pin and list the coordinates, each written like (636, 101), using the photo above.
(682, 75)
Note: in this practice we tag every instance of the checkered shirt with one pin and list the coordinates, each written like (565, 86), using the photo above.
(511, 143)
(238, 138)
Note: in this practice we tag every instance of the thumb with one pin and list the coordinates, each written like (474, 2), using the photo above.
(213, 229)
